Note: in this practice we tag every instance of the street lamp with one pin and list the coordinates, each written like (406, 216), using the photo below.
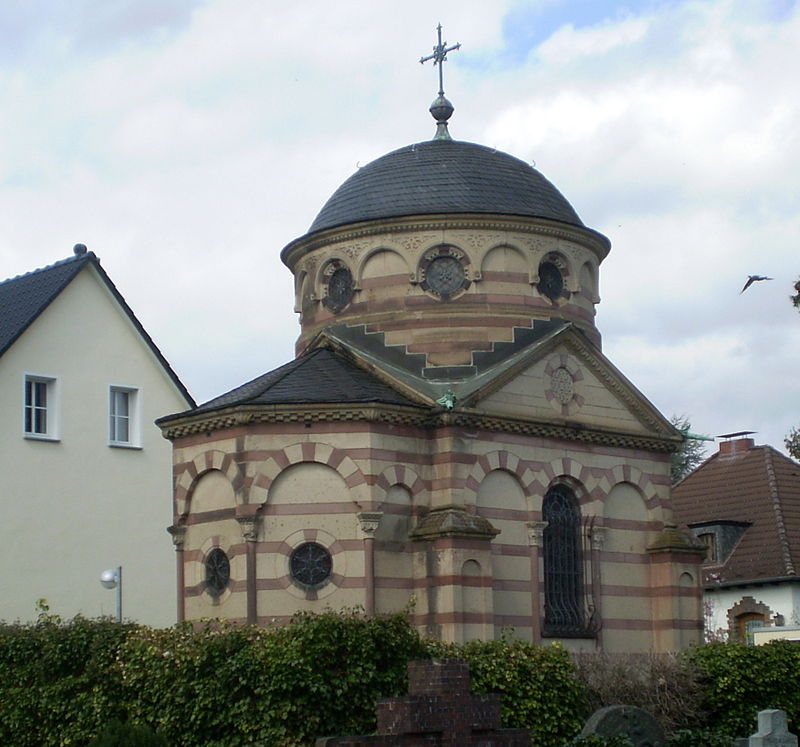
(112, 579)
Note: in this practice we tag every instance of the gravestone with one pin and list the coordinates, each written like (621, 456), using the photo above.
(773, 731)
(629, 721)
(438, 710)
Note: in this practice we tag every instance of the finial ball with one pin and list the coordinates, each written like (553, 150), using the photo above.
(79, 249)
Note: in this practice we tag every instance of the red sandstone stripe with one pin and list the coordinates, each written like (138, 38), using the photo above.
(204, 517)
(303, 509)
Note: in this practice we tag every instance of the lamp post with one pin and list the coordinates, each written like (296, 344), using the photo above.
(112, 579)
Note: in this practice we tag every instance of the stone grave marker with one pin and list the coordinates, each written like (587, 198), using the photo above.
(636, 724)
(773, 730)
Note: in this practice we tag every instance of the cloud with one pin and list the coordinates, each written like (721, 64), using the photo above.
(188, 142)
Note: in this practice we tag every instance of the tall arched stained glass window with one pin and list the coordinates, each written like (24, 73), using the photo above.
(563, 566)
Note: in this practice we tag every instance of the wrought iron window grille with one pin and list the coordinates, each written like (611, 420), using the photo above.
(569, 607)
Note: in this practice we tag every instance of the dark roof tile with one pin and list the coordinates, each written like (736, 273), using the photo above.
(755, 484)
(444, 176)
(320, 376)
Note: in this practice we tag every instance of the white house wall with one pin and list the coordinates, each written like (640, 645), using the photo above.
(76, 506)
(782, 599)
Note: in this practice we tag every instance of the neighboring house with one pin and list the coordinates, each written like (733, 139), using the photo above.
(85, 476)
(450, 436)
(743, 504)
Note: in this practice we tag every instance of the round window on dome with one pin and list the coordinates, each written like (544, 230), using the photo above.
(443, 271)
(551, 280)
(338, 283)
(218, 571)
(310, 565)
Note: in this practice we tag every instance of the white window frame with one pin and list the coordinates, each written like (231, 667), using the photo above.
(131, 419)
(31, 404)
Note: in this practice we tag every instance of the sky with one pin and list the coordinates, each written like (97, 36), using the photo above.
(186, 142)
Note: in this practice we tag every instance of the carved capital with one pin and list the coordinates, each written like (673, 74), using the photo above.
(178, 532)
(536, 532)
(368, 522)
(249, 527)
(598, 537)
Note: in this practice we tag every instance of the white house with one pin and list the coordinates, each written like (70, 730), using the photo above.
(85, 476)
(743, 504)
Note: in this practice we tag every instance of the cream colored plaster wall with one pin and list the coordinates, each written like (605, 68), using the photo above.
(76, 506)
(530, 395)
(309, 498)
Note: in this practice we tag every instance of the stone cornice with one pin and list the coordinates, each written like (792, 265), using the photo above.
(592, 240)
(423, 418)
(616, 382)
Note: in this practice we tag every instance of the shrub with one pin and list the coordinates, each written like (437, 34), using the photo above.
(596, 740)
(741, 680)
(119, 734)
(537, 684)
(667, 686)
(698, 738)
(58, 684)
(230, 685)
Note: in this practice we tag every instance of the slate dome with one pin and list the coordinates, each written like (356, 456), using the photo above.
(444, 176)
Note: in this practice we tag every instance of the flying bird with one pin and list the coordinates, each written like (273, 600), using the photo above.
(752, 279)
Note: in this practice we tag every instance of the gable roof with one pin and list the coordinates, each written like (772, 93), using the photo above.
(23, 299)
(320, 376)
(750, 484)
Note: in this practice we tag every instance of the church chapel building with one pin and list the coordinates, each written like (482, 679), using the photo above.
(450, 437)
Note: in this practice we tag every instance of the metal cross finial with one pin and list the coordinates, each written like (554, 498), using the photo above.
(439, 56)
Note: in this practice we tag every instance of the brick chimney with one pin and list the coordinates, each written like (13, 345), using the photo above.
(737, 444)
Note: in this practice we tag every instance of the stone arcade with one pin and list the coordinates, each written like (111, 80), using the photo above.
(450, 434)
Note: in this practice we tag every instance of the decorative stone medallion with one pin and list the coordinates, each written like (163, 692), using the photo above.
(443, 271)
(338, 284)
(563, 384)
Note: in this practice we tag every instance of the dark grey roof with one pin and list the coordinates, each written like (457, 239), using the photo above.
(25, 297)
(320, 376)
(444, 176)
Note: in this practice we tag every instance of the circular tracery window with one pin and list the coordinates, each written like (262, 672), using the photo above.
(218, 571)
(443, 271)
(445, 275)
(338, 282)
(551, 281)
(310, 564)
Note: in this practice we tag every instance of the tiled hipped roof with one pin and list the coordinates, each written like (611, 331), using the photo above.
(319, 376)
(747, 483)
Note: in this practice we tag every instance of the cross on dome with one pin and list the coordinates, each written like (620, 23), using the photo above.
(441, 109)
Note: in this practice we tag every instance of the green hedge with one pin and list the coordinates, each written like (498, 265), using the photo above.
(64, 683)
(741, 680)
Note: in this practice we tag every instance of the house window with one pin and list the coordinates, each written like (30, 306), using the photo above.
(40, 407)
(745, 624)
(123, 421)
(709, 540)
(564, 612)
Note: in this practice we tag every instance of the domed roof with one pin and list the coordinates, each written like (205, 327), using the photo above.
(444, 176)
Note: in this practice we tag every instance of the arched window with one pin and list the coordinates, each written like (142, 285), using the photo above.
(563, 567)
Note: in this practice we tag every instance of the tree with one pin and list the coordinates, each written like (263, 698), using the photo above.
(691, 453)
(792, 442)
